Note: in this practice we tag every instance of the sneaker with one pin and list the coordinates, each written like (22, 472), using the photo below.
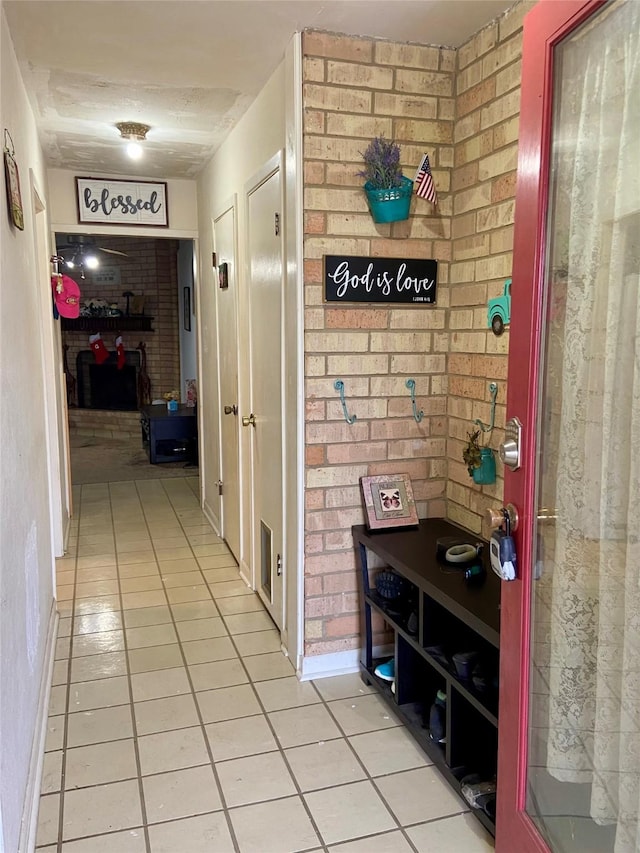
(386, 671)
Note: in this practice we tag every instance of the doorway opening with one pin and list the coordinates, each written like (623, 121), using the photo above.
(132, 346)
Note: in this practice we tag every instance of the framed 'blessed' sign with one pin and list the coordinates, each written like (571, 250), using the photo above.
(115, 202)
(348, 278)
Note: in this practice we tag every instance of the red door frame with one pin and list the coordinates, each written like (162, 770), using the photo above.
(547, 24)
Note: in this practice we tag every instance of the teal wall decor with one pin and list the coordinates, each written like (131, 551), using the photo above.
(339, 386)
(499, 310)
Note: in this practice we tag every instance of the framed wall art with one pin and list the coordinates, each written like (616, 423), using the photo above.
(14, 199)
(223, 276)
(388, 501)
(186, 308)
(116, 202)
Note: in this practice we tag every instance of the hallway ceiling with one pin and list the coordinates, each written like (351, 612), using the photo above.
(187, 68)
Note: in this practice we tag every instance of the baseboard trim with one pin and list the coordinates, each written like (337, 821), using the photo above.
(338, 663)
(29, 823)
(211, 517)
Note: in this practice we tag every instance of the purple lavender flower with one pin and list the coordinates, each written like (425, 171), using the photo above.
(382, 164)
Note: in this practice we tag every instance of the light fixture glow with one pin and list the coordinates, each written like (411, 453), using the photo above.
(91, 262)
(134, 150)
(135, 134)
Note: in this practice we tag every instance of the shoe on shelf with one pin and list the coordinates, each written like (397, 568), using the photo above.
(386, 671)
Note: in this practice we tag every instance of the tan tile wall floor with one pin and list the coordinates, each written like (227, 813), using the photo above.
(177, 725)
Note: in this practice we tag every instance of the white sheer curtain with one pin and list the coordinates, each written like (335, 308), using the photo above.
(594, 632)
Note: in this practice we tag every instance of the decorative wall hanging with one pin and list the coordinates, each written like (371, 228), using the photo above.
(14, 198)
(349, 278)
(499, 310)
(388, 191)
(481, 461)
(186, 308)
(411, 385)
(223, 276)
(388, 501)
(339, 387)
(425, 187)
(115, 202)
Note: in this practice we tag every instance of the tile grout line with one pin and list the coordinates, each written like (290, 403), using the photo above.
(134, 725)
(279, 749)
(65, 736)
(201, 723)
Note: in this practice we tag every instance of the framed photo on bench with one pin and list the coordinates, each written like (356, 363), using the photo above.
(388, 501)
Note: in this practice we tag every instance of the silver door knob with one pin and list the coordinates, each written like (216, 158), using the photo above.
(249, 421)
(231, 410)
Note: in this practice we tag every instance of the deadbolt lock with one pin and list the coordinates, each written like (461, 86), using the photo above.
(249, 421)
(231, 410)
(509, 450)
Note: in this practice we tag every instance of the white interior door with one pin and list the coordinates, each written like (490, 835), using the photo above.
(265, 297)
(227, 301)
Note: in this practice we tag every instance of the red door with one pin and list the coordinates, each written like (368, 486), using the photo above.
(569, 741)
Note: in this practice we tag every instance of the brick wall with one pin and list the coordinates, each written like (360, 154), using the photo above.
(355, 89)
(462, 108)
(150, 270)
(483, 183)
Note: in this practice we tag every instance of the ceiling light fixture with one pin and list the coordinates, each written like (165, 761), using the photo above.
(135, 134)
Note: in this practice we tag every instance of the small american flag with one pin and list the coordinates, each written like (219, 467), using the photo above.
(424, 185)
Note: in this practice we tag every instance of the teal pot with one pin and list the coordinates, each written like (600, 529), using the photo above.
(485, 473)
(390, 205)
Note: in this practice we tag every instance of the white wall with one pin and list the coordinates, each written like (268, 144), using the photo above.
(273, 123)
(26, 557)
(181, 195)
(256, 138)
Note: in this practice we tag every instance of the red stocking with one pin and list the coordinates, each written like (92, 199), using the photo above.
(98, 348)
(120, 353)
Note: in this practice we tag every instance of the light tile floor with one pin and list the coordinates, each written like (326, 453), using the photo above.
(177, 726)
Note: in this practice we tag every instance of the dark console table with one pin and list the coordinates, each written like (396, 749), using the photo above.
(439, 615)
(169, 436)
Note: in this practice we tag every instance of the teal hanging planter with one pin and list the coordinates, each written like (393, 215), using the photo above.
(390, 205)
(485, 473)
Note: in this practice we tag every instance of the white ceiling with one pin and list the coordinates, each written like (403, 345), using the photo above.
(188, 68)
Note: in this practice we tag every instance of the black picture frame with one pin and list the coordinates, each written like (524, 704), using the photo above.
(223, 276)
(186, 308)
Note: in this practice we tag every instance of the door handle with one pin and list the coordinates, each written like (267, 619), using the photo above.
(495, 517)
(547, 515)
(231, 410)
(249, 421)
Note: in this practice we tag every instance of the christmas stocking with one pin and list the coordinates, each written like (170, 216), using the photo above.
(120, 353)
(98, 348)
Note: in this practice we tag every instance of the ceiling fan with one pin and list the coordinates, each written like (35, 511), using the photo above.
(80, 251)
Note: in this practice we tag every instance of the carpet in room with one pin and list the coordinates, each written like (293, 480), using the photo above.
(112, 460)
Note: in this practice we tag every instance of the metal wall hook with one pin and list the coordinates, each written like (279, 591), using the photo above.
(339, 386)
(493, 390)
(411, 385)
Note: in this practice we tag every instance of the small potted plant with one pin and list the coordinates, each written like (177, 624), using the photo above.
(388, 191)
(172, 398)
(480, 461)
